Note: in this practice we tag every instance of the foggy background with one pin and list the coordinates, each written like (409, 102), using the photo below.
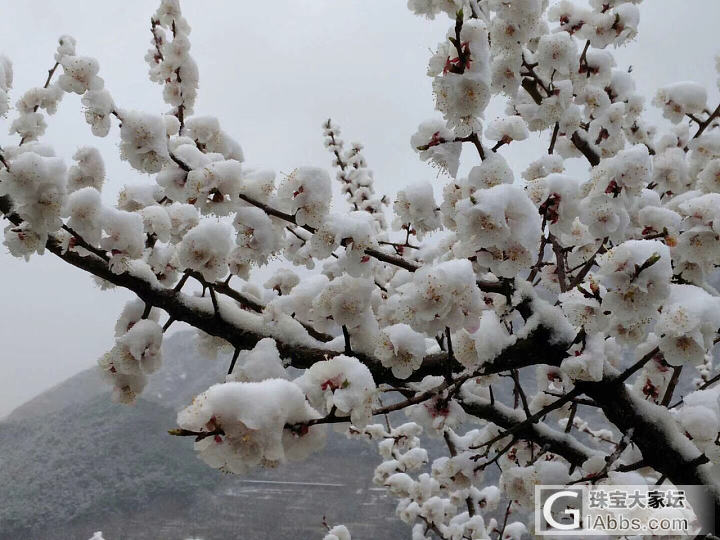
(272, 74)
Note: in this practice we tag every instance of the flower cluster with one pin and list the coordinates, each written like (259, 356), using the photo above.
(512, 300)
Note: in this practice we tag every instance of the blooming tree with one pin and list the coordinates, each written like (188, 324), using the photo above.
(600, 285)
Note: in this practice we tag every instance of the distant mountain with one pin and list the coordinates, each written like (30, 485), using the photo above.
(78, 388)
(91, 458)
(72, 462)
(183, 375)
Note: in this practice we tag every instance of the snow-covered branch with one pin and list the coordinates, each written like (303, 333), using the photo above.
(603, 285)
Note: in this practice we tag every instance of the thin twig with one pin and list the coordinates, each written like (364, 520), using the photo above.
(671, 386)
(236, 353)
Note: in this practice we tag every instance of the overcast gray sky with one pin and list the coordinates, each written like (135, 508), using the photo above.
(272, 72)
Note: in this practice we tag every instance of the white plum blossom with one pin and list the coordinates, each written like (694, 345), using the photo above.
(499, 226)
(401, 349)
(440, 296)
(461, 98)
(79, 74)
(143, 342)
(89, 170)
(550, 321)
(493, 171)
(260, 363)
(679, 99)
(485, 344)
(338, 532)
(156, 222)
(342, 384)
(46, 98)
(346, 301)
(306, 194)
(416, 205)
(249, 424)
(205, 249)
(84, 208)
(437, 413)
(66, 47)
(282, 281)
(258, 237)
(508, 129)
(206, 132)
(143, 141)
(183, 217)
(6, 80)
(636, 274)
(689, 320)
(123, 233)
(99, 106)
(436, 143)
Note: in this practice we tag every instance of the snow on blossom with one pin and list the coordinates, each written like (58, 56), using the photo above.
(556, 196)
(507, 129)
(215, 186)
(205, 249)
(583, 308)
(689, 321)
(345, 301)
(183, 217)
(442, 295)
(250, 424)
(518, 484)
(258, 364)
(401, 349)
(306, 194)
(415, 205)
(66, 47)
(84, 208)
(99, 106)
(283, 280)
(258, 238)
(501, 227)
(207, 134)
(80, 74)
(493, 171)
(46, 98)
(156, 222)
(435, 143)
(137, 353)
(123, 233)
(557, 52)
(586, 363)
(170, 62)
(36, 185)
(6, 80)
(134, 197)
(143, 141)
(636, 274)
(143, 342)
(681, 98)
(437, 413)
(430, 8)
(338, 532)
(22, 241)
(699, 418)
(132, 313)
(342, 383)
(88, 171)
(485, 344)
(461, 98)
(356, 230)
